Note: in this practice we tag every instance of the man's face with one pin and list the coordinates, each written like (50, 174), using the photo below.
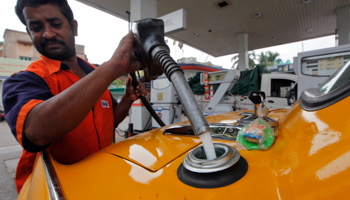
(51, 33)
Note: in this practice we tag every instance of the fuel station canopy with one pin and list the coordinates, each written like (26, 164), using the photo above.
(213, 26)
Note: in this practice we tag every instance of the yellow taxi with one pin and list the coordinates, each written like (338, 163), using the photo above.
(309, 159)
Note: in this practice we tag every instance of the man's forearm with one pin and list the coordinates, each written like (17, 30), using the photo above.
(62, 113)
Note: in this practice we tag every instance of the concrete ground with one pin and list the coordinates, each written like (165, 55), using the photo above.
(11, 151)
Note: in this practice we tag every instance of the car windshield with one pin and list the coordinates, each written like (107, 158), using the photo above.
(339, 78)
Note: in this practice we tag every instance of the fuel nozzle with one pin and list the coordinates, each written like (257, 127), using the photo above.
(150, 34)
(154, 54)
(151, 48)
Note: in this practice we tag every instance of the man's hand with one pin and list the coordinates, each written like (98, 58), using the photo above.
(123, 59)
(133, 94)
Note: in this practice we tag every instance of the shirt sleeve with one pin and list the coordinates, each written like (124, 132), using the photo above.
(115, 102)
(22, 92)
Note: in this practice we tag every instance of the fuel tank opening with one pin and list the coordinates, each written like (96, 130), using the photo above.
(227, 168)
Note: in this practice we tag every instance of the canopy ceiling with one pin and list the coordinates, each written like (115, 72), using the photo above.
(281, 21)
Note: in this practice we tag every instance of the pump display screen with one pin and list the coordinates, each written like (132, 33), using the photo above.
(324, 65)
(214, 77)
(161, 83)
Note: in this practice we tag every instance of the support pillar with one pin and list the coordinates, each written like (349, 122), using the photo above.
(243, 63)
(141, 9)
(343, 25)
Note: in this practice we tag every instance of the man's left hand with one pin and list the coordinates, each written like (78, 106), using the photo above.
(133, 94)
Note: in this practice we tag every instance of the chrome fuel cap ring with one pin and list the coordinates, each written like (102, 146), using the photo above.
(196, 160)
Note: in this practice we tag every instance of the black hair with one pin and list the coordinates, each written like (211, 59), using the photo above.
(62, 5)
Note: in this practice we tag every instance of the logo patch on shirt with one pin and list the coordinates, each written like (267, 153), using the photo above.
(104, 104)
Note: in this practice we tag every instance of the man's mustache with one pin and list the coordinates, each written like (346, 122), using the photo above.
(53, 40)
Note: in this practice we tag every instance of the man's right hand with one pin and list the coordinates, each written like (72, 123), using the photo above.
(123, 60)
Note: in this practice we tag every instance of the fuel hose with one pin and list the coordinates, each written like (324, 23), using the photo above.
(135, 83)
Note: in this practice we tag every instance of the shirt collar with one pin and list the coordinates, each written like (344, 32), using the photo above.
(55, 65)
(52, 65)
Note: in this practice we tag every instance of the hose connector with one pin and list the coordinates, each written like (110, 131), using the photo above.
(161, 55)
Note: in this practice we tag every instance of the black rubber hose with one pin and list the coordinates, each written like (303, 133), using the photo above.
(145, 101)
(167, 62)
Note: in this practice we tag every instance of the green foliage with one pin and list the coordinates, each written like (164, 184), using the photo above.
(251, 60)
(271, 57)
(268, 58)
(264, 58)
(118, 83)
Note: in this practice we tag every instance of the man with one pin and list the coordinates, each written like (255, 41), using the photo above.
(61, 103)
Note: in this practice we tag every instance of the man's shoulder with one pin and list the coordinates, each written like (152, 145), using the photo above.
(32, 67)
(35, 70)
(38, 65)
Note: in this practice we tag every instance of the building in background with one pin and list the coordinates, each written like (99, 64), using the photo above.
(18, 45)
(191, 66)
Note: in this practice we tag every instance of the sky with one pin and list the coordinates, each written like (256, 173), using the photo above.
(101, 33)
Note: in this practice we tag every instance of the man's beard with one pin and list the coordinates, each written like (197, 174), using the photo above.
(64, 53)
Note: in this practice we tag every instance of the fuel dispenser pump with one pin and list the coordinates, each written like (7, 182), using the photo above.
(165, 101)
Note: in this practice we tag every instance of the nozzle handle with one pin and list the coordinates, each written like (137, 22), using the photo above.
(255, 96)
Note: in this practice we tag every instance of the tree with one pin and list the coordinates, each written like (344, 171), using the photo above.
(251, 62)
(268, 58)
(262, 58)
(271, 57)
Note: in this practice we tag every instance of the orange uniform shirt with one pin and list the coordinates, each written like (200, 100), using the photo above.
(42, 80)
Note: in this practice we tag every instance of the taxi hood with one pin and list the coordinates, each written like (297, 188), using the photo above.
(153, 150)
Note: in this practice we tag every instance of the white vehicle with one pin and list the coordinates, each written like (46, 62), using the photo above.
(314, 67)
(275, 86)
